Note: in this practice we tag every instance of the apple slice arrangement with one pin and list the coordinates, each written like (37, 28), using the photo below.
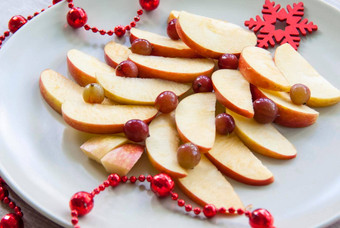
(177, 87)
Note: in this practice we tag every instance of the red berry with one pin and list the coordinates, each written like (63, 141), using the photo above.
(136, 130)
(149, 5)
(202, 84)
(228, 61)
(76, 17)
(166, 102)
(16, 22)
(171, 29)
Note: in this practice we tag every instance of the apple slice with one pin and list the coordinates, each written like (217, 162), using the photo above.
(211, 37)
(164, 46)
(115, 53)
(162, 146)
(290, 114)
(262, 138)
(96, 147)
(121, 159)
(258, 67)
(137, 90)
(56, 89)
(235, 160)
(204, 184)
(83, 67)
(173, 69)
(104, 119)
(233, 91)
(173, 15)
(297, 70)
(195, 120)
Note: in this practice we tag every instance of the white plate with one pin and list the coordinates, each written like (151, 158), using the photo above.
(40, 156)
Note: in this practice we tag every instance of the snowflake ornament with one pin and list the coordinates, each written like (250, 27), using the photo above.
(268, 34)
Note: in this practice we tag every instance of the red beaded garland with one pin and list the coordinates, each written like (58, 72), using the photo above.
(76, 17)
(149, 5)
(261, 218)
(16, 22)
(3, 193)
(56, 1)
(119, 30)
(82, 202)
(11, 221)
(209, 210)
(162, 184)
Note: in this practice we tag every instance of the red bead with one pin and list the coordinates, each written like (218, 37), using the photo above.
(222, 210)
(119, 30)
(11, 221)
(188, 208)
(20, 214)
(110, 32)
(240, 211)
(106, 183)
(82, 202)
(2, 38)
(42, 10)
(17, 209)
(35, 14)
(181, 202)
(101, 187)
(140, 12)
(261, 218)
(69, 0)
(149, 5)
(133, 24)
(125, 179)
(114, 179)
(6, 33)
(0, 42)
(95, 192)
(94, 29)
(209, 210)
(76, 17)
(74, 213)
(149, 178)
(141, 178)
(70, 5)
(128, 27)
(56, 1)
(136, 18)
(29, 17)
(3, 193)
(133, 179)
(102, 32)
(6, 200)
(16, 22)
(231, 210)
(74, 221)
(197, 210)
(162, 184)
(174, 196)
(11, 205)
(87, 27)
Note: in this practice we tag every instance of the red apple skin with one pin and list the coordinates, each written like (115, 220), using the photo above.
(185, 140)
(159, 50)
(287, 117)
(236, 176)
(56, 105)
(79, 76)
(163, 169)
(146, 72)
(253, 77)
(110, 61)
(226, 103)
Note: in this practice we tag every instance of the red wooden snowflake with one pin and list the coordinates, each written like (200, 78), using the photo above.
(268, 34)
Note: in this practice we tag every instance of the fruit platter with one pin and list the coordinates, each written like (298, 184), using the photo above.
(233, 124)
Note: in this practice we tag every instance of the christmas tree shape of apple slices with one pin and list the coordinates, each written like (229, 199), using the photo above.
(115, 53)
(143, 91)
(162, 145)
(174, 69)
(235, 160)
(163, 46)
(233, 91)
(262, 138)
(211, 37)
(204, 184)
(297, 70)
(104, 119)
(195, 120)
(56, 89)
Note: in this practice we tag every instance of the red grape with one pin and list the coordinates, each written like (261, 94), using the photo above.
(171, 30)
(224, 123)
(265, 110)
(166, 101)
(299, 94)
(228, 61)
(188, 155)
(127, 68)
(141, 47)
(136, 130)
(202, 84)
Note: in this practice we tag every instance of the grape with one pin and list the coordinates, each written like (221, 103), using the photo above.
(127, 68)
(224, 123)
(265, 110)
(299, 94)
(171, 30)
(166, 101)
(228, 61)
(202, 84)
(93, 93)
(188, 155)
(136, 130)
(141, 46)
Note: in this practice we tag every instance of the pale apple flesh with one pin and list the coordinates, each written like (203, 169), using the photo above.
(83, 67)
(115, 53)
(290, 114)
(162, 145)
(163, 46)
(233, 91)
(297, 70)
(262, 138)
(174, 69)
(211, 37)
(142, 91)
(173, 15)
(258, 68)
(104, 119)
(195, 120)
(235, 160)
(122, 159)
(204, 184)
(97, 147)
